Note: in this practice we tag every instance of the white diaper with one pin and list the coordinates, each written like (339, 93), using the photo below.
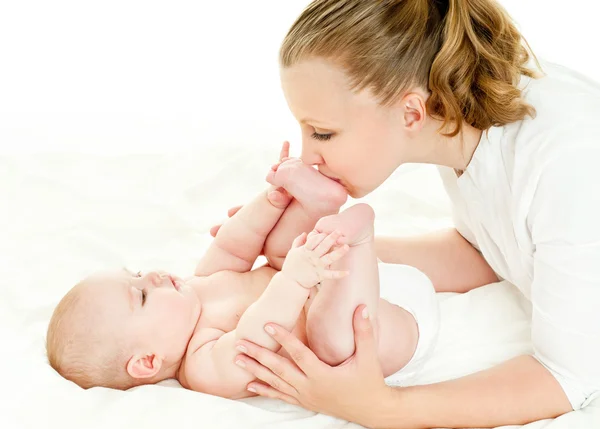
(410, 289)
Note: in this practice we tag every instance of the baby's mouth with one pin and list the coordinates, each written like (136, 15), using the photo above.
(175, 284)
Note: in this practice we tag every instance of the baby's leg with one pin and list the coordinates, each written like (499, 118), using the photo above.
(329, 319)
(398, 337)
(315, 196)
(241, 239)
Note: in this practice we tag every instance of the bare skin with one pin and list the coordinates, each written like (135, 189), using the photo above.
(236, 305)
(189, 329)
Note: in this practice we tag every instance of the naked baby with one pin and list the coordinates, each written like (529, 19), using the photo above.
(121, 329)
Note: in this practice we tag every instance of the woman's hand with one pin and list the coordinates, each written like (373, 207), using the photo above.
(283, 154)
(230, 213)
(354, 391)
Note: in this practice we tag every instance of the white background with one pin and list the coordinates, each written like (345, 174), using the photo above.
(147, 76)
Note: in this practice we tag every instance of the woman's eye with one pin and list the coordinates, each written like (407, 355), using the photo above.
(138, 274)
(321, 137)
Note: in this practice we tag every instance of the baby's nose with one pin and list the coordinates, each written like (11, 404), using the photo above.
(155, 278)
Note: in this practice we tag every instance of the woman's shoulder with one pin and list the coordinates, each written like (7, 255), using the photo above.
(561, 96)
(560, 80)
(567, 114)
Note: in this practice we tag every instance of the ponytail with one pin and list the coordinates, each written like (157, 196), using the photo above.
(475, 74)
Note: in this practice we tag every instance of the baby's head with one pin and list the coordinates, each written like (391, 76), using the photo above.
(121, 330)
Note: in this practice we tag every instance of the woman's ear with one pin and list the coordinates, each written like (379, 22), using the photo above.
(144, 366)
(414, 111)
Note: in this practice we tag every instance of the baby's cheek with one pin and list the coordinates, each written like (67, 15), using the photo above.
(179, 309)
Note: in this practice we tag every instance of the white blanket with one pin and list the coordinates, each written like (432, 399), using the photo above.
(66, 215)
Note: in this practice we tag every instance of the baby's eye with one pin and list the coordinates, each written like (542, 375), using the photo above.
(143, 296)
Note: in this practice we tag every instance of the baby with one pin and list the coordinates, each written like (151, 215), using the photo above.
(124, 329)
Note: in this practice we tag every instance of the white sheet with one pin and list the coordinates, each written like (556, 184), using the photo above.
(64, 215)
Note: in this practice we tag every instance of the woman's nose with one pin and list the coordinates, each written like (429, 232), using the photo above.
(309, 154)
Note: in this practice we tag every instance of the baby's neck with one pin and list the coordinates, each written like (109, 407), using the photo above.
(172, 370)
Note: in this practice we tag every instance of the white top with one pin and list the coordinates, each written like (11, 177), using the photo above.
(530, 202)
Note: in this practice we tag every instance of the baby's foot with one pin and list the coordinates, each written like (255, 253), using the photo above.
(317, 193)
(356, 224)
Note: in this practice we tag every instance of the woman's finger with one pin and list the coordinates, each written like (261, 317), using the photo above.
(269, 392)
(302, 356)
(364, 338)
(214, 230)
(265, 375)
(233, 211)
(277, 364)
(279, 197)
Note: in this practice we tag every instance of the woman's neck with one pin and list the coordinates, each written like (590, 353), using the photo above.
(455, 152)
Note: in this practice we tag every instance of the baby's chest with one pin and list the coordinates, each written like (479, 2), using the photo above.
(227, 297)
(231, 294)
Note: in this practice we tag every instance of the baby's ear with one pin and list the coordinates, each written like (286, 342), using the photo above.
(144, 366)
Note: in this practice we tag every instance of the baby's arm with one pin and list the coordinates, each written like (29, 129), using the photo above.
(210, 368)
(240, 240)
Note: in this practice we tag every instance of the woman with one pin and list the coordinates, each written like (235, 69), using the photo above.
(375, 84)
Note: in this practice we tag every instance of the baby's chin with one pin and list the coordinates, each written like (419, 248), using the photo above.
(188, 291)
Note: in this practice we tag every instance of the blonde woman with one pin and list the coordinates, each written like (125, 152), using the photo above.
(378, 83)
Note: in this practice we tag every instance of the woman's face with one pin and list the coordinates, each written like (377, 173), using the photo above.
(348, 135)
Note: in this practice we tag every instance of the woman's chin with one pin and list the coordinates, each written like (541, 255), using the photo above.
(357, 193)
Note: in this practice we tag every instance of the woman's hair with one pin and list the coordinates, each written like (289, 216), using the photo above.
(467, 53)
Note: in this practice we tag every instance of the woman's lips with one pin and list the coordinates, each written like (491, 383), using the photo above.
(335, 179)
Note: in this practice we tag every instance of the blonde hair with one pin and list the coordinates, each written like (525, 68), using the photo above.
(467, 53)
(80, 350)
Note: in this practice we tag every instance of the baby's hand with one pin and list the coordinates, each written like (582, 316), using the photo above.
(308, 260)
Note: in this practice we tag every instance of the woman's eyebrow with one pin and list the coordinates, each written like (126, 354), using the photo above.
(313, 121)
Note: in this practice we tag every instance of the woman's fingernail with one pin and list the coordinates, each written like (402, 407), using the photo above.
(240, 363)
(242, 349)
(270, 330)
(365, 313)
(252, 389)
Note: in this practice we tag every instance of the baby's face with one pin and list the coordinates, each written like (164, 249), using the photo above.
(156, 312)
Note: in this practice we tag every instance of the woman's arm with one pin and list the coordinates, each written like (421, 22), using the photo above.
(451, 262)
(516, 392)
